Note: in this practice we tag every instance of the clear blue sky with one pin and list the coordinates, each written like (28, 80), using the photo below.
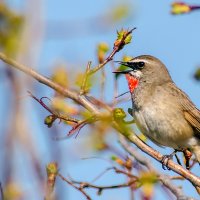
(173, 39)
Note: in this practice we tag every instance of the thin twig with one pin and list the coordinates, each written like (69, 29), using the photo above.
(46, 81)
(116, 48)
(74, 186)
(89, 185)
(1, 192)
(83, 185)
(85, 78)
(56, 115)
(127, 173)
(102, 83)
(101, 174)
(108, 59)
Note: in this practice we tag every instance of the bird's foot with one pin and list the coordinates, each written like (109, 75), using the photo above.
(187, 155)
(166, 158)
(130, 111)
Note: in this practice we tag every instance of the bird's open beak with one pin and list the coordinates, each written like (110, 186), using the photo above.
(124, 71)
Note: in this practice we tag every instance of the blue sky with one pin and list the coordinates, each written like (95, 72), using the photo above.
(173, 39)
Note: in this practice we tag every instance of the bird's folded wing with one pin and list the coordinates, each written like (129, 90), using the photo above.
(192, 114)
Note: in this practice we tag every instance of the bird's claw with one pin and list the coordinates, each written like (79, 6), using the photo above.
(130, 111)
(165, 160)
(187, 154)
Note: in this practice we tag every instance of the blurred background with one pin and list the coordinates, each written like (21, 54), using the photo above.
(58, 38)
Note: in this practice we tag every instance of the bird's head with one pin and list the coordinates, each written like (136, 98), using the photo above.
(146, 69)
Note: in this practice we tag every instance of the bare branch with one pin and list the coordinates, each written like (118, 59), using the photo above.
(74, 186)
(195, 180)
(54, 114)
(101, 188)
(46, 81)
(130, 135)
(146, 162)
(1, 192)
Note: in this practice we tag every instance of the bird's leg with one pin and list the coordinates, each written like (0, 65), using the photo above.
(130, 111)
(166, 158)
(178, 160)
(187, 154)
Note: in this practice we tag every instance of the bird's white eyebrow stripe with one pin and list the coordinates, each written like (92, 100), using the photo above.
(141, 60)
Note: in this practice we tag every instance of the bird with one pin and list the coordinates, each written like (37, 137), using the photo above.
(163, 112)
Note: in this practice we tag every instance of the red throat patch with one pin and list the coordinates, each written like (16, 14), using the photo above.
(132, 82)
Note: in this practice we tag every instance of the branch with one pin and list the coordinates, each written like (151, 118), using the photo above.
(89, 185)
(82, 185)
(130, 135)
(54, 115)
(121, 41)
(1, 192)
(74, 186)
(48, 82)
(88, 105)
(166, 181)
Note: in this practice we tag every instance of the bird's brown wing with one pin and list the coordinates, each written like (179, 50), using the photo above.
(191, 113)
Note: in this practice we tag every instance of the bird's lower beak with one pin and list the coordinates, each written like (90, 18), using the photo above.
(122, 72)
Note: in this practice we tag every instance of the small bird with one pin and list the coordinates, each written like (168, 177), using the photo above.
(162, 111)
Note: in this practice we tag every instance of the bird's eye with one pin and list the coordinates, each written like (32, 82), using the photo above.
(140, 65)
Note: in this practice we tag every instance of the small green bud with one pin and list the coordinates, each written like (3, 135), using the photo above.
(197, 74)
(49, 120)
(119, 114)
(113, 157)
(52, 168)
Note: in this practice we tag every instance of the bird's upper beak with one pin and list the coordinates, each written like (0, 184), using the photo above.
(127, 64)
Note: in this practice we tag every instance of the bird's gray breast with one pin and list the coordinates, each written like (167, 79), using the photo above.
(161, 119)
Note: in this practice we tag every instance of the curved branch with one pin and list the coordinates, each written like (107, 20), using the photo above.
(88, 105)
(75, 187)
(48, 82)
(195, 180)
(165, 180)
